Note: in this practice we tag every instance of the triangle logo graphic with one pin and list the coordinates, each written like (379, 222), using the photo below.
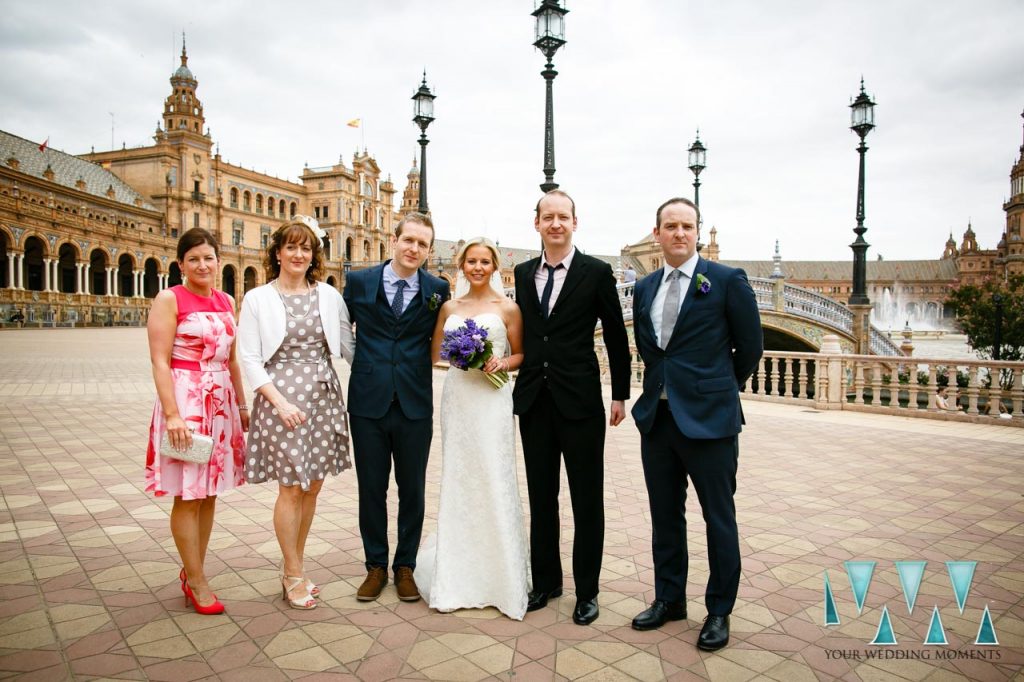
(860, 573)
(910, 573)
(961, 573)
(986, 631)
(936, 633)
(884, 636)
(831, 613)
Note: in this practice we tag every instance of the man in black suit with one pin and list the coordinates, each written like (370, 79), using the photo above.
(562, 295)
(698, 331)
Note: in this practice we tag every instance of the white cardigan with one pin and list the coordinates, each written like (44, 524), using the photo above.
(261, 329)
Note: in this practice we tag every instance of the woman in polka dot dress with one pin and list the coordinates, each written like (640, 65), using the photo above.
(298, 434)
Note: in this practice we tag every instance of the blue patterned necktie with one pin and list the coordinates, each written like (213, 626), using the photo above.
(398, 302)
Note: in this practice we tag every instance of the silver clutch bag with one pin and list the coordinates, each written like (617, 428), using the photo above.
(202, 448)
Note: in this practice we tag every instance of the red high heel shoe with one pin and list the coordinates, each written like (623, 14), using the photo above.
(214, 609)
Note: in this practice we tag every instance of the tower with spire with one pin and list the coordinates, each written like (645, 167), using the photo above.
(411, 196)
(183, 112)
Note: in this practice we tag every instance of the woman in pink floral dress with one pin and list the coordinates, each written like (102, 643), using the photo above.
(199, 388)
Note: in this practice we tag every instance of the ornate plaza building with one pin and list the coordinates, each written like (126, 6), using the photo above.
(88, 239)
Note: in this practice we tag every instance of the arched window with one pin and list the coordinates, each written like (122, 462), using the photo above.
(246, 201)
(280, 208)
(234, 197)
(366, 250)
(259, 203)
(292, 209)
(348, 249)
(270, 206)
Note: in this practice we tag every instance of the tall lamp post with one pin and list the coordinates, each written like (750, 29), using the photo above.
(997, 342)
(423, 116)
(697, 159)
(862, 120)
(550, 35)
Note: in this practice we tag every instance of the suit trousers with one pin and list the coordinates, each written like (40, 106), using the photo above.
(376, 442)
(669, 458)
(547, 437)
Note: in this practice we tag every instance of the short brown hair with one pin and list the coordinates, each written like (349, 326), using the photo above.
(415, 217)
(298, 232)
(194, 237)
(554, 192)
(676, 200)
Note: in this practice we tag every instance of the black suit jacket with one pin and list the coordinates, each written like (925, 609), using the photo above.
(714, 348)
(559, 351)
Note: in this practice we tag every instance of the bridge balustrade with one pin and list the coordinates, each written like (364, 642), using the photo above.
(984, 391)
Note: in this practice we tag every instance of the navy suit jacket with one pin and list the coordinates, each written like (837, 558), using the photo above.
(392, 355)
(713, 350)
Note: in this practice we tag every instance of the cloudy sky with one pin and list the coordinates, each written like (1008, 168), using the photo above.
(767, 83)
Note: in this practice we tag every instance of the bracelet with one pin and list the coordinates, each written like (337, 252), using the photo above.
(243, 407)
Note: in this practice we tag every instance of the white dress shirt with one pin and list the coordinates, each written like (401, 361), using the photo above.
(541, 277)
(658, 305)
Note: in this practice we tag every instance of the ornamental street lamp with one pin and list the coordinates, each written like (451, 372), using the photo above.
(423, 115)
(997, 342)
(550, 35)
(697, 158)
(862, 120)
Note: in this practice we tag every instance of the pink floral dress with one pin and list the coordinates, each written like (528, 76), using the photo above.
(206, 401)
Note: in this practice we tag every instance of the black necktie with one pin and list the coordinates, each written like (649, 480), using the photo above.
(398, 302)
(545, 299)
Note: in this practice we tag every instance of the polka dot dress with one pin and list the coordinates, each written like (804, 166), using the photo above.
(301, 370)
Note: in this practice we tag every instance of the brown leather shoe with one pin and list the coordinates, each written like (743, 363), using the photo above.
(405, 585)
(376, 579)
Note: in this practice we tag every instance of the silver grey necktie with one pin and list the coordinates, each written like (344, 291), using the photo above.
(671, 310)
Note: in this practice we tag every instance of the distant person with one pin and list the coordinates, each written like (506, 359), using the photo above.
(18, 316)
(946, 402)
(199, 389)
(287, 332)
(699, 334)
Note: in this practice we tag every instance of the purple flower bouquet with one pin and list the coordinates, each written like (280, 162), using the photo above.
(467, 347)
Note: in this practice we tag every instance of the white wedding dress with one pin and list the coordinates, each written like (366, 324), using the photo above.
(479, 555)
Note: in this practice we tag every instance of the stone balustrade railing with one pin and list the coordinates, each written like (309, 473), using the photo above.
(988, 391)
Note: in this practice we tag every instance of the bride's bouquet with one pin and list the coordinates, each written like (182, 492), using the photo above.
(467, 347)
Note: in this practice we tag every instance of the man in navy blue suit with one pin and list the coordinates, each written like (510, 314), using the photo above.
(699, 333)
(390, 399)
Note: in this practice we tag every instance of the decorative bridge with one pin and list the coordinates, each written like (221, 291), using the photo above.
(798, 313)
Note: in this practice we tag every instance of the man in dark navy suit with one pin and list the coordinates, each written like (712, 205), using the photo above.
(699, 333)
(390, 398)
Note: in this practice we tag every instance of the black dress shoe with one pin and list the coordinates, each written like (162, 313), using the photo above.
(538, 599)
(660, 611)
(586, 611)
(715, 633)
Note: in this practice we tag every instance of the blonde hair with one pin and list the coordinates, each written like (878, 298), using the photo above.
(479, 241)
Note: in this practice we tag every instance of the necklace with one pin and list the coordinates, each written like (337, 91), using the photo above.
(288, 310)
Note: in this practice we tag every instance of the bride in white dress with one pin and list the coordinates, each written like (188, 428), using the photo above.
(478, 557)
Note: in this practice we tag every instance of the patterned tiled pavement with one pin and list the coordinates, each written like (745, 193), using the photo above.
(88, 569)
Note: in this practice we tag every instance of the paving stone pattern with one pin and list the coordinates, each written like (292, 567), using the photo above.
(88, 570)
